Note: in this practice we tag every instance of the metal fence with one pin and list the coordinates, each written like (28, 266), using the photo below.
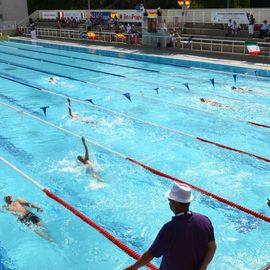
(8, 25)
(110, 37)
(187, 43)
(204, 44)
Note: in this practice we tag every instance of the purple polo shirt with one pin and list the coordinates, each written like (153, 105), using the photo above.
(183, 242)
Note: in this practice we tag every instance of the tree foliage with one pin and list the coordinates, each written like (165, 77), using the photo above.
(130, 4)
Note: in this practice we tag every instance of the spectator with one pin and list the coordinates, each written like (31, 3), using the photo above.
(128, 28)
(159, 17)
(58, 24)
(121, 28)
(264, 29)
(142, 9)
(33, 30)
(187, 241)
(177, 39)
(165, 28)
(88, 24)
(235, 28)
(184, 9)
(115, 20)
(229, 27)
(251, 23)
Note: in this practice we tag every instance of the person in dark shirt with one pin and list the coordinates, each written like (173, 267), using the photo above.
(187, 242)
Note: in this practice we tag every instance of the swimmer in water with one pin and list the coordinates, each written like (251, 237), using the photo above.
(211, 102)
(241, 89)
(19, 207)
(90, 166)
(52, 80)
(76, 116)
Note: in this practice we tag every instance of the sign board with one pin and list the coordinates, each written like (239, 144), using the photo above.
(73, 14)
(51, 15)
(105, 16)
(130, 16)
(223, 17)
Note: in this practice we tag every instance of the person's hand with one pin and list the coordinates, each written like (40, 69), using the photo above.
(268, 202)
(40, 209)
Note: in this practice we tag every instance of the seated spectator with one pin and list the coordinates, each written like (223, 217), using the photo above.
(121, 28)
(164, 26)
(264, 29)
(171, 40)
(229, 27)
(128, 28)
(235, 28)
(88, 24)
(177, 39)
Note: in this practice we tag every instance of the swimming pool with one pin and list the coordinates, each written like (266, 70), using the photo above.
(163, 125)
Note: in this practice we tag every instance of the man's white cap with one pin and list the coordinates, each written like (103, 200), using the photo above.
(180, 193)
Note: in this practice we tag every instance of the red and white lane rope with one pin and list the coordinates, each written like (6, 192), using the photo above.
(219, 198)
(87, 220)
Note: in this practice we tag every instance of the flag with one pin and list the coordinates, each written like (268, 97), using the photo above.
(127, 95)
(253, 48)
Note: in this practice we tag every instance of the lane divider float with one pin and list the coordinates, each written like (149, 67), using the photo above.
(152, 170)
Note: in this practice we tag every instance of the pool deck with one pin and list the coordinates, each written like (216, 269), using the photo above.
(249, 62)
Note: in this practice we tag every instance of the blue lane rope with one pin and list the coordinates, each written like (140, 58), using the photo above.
(66, 65)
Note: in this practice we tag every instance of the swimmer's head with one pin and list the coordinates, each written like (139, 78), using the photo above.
(8, 198)
(233, 87)
(80, 158)
(202, 99)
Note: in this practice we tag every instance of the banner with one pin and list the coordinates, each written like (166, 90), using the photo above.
(73, 14)
(104, 16)
(223, 17)
(50, 15)
(130, 16)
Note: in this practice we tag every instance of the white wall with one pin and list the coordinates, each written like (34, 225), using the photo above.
(13, 10)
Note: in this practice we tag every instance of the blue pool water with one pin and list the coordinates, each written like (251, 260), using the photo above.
(159, 130)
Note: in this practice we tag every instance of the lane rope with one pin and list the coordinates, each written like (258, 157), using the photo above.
(171, 130)
(25, 41)
(84, 218)
(24, 82)
(152, 170)
(107, 73)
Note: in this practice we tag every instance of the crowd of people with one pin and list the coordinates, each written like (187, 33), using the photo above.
(233, 27)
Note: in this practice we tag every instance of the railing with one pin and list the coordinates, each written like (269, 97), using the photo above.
(204, 44)
(110, 37)
(8, 25)
(187, 43)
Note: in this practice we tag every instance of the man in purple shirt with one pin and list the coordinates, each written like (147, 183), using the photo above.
(187, 242)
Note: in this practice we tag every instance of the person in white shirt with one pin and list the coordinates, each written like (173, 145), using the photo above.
(229, 27)
(235, 28)
(264, 29)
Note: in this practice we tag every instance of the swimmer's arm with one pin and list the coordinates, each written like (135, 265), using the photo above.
(69, 107)
(28, 204)
(86, 155)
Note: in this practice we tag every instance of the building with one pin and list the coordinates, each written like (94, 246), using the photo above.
(13, 10)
